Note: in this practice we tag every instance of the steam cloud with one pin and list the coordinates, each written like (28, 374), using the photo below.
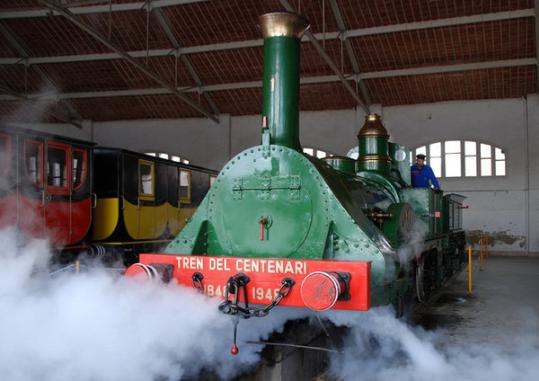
(414, 243)
(97, 326)
(33, 110)
(379, 347)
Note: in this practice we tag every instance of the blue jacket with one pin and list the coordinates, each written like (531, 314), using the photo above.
(423, 177)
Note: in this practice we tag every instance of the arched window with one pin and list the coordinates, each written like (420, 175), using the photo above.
(464, 158)
(316, 152)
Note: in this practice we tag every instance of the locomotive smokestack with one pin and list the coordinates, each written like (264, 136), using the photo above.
(282, 32)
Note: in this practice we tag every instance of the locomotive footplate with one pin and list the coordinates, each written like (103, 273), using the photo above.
(315, 284)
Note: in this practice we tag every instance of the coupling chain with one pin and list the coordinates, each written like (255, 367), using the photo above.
(197, 282)
(240, 281)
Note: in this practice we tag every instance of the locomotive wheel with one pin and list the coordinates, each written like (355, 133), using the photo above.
(420, 280)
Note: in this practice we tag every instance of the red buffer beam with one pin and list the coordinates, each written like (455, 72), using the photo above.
(318, 284)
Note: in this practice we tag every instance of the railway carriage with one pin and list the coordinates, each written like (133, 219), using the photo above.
(106, 201)
(46, 186)
(143, 201)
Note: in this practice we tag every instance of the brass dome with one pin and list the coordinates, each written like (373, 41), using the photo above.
(373, 126)
(283, 24)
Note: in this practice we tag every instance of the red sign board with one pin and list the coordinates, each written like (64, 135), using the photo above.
(265, 276)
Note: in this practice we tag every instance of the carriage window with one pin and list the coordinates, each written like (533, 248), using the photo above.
(5, 154)
(146, 172)
(185, 186)
(57, 167)
(33, 158)
(78, 167)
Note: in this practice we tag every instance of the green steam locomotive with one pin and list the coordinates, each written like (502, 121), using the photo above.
(281, 227)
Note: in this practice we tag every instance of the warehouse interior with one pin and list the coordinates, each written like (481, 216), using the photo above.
(182, 80)
(435, 71)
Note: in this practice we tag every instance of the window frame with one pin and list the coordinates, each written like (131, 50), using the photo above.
(84, 170)
(495, 161)
(141, 194)
(463, 157)
(477, 156)
(40, 162)
(184, 199)
(62, 190)
(5, 167)
(441, 157)
(444, 158)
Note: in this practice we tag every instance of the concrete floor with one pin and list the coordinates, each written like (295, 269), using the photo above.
(502, 310)
(504, 303)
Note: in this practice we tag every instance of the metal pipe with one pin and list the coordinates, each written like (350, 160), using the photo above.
(330, 62)
(469, 269)
(145, 70)
(282, 32)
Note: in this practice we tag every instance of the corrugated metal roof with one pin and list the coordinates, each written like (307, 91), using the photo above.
(200, 24)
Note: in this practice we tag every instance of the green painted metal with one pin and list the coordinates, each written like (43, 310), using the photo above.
(400, 163)
(421, 200)
(273, 201)
(374, 155)
(428, 206)
(312, 212)
(343, 164)
(281, 90)
(398, 228)
(452, 212)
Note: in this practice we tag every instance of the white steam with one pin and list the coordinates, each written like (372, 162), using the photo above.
(412, 248)
(380, 347)
(97, 326)
(34, 110)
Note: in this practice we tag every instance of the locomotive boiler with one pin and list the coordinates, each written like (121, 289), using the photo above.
(281, 227)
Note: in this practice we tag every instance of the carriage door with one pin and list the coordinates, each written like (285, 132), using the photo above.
(57, 192)
(81, 205)
(8, 196)
(31, 201)
(146, 199)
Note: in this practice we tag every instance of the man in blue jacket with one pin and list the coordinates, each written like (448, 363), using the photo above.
(422, 174)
